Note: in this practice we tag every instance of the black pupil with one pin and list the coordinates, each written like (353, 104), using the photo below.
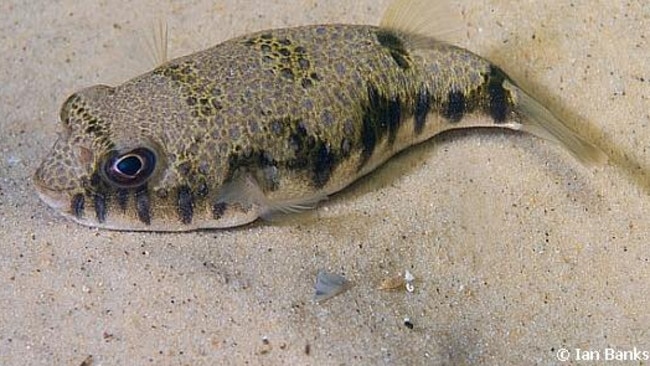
(130, 169)
(129, 165)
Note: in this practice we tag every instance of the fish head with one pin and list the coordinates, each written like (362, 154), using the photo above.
(124, 167)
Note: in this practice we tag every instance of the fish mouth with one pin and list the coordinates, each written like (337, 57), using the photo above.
(58, 200)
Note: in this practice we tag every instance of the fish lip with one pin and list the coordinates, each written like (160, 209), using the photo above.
(56, 199)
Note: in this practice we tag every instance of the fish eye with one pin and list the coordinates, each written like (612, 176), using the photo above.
(130, 169)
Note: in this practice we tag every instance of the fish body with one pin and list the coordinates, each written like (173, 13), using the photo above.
(270, 122)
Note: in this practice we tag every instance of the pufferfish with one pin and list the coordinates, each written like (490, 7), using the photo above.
(274, 122)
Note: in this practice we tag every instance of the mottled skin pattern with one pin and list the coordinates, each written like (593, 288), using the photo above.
(272, 121)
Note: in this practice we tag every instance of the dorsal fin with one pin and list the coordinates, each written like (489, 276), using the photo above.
(158, 45)
(427, 18)
(146, 48)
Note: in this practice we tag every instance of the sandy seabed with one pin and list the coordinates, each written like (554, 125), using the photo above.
(520, 254)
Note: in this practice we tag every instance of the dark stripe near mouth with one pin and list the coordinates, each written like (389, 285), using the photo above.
(99, 201)
(143, 205)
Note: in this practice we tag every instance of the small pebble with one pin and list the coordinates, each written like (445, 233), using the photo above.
(329, 285)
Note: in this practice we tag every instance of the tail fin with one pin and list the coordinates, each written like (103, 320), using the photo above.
(542, 123)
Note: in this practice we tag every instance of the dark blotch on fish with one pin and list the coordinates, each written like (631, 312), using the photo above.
(499, 106)
(381, 116)
(202, 189)
(395, 46)
(369, 128)
(77, 205)
(218, 209)
(185, 204)
(422, 108)
(393, 118)
(324, 164)
(312, 153)
(455, 106)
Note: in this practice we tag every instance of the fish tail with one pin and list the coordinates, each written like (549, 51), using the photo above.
(539, 121)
